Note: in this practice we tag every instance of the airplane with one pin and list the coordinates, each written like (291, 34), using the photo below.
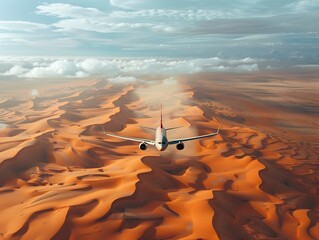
(161, 141)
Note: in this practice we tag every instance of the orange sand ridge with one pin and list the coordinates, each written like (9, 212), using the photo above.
(61, 178)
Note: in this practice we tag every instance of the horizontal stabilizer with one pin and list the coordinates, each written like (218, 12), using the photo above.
(149, 128)
(172, 128)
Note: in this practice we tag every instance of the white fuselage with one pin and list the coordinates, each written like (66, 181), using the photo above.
(161, 141)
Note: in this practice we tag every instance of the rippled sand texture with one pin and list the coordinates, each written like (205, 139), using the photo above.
(61, 178)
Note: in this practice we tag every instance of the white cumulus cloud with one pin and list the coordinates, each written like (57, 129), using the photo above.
(118, 69)
(16, 70)
(59, 68)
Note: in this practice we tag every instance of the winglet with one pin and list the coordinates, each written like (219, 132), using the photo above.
(103, 129)
(218, 128)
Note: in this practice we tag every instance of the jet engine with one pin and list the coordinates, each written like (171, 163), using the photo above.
(143, 146)
(180, 146)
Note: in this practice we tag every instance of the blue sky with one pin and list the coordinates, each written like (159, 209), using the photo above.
(286, 31)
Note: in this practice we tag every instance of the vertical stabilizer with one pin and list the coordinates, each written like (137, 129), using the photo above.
(161, 116)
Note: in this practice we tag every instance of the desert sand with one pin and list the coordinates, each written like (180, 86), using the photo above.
(62, 178)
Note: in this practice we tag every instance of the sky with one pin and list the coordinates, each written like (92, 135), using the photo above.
(201, 34)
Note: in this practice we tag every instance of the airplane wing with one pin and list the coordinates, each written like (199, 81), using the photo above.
(175, 141)
(141, 140)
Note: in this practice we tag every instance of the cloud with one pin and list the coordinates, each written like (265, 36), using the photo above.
(304, 5)
(170, 81)
(16, 70)
(289, 23)
(219, 20)
(164, 28)
(122, 79)
(169, 14)
(34, 93)
(58, 68)
(247, 68)
(236, 7)
(102, 27)
(181, 28)
(167, 4)
(3, 125)
(21, 26)
(119, 69)
(62, 10)
(94, 20)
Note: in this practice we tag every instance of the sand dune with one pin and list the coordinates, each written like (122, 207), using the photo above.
(61, 178)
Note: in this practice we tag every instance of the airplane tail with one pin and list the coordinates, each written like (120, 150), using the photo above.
(161, 116)
(162, 121)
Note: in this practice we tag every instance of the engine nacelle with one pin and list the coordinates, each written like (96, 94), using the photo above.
(143, 146)
(180, 146)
